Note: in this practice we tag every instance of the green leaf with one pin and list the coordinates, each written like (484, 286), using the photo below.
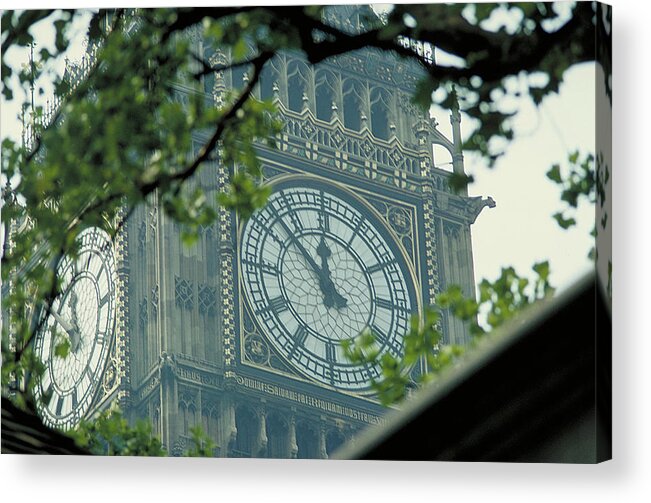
(542, 269)
(563, 222)
(554, 174)
(62, 349)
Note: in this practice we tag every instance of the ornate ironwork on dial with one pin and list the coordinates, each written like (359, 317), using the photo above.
(319, 267)
(84, 314)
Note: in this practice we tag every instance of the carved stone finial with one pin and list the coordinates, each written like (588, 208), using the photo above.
(335, 110)
(422, 128)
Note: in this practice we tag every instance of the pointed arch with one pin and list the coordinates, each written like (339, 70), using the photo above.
(380, 112)
(297, 84)
(269, 78)
(325, 93)
(353, 101)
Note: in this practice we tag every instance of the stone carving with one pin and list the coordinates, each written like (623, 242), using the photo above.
(154, 301)
(183, 293)
(110, 376)
(450, 229)
(142, 236)
(142, 315)
(256, 349)
(207, 300)
(400, 220)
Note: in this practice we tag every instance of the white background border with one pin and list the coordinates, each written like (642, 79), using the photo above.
(627, 478)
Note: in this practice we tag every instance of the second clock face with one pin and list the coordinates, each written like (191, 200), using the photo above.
(84, 315)
(319, 267)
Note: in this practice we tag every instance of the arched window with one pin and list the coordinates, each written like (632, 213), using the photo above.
(325, 94)
(297, 73)
(353, 93)
(380, 113)
(211, 420)
(268, 78)
(188, 413)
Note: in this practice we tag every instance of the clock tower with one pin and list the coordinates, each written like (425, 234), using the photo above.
(241, 333)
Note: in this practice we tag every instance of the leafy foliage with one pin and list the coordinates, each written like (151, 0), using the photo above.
(500, 301)
(120, 136)
(110, 435)
(581, 180)
(202, 444)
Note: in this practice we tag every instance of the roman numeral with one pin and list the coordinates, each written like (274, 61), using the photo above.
(385, 340)
(324, 218)
(104, 299)
(356, 230)
(278, 305)
(74, 399)
(378, 267)
(330, 353)
(391, 306)
(87, 266)
(293, 216)
(384, 304)
(102, 267)
(379, 335)
(299, 338)
(47, 395)
(300, 335)
(265, 267)
(100, 337)
(268, 268)
(59, 406)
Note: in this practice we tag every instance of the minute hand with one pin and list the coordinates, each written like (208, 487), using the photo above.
(303, 251)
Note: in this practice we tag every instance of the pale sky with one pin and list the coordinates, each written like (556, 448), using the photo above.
(520, 231)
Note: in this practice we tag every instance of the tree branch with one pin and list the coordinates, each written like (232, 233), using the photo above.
(207, 149)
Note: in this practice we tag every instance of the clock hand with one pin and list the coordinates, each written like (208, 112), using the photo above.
(66, 327)
(302, 249)
(74, 342)
(332, 297)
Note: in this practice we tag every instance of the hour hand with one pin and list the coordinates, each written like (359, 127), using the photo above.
(331, 297)
(340, 301)
(69, 329)
(74, 342)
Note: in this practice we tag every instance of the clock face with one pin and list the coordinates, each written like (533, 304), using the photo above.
(84, 314)
(318, 267)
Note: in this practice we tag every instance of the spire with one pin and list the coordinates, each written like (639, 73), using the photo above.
(455, 120)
